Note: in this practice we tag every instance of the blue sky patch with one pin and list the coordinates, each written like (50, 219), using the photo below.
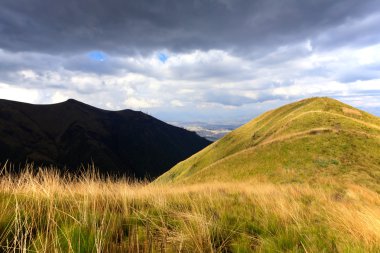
(97, 55)
(163, 57)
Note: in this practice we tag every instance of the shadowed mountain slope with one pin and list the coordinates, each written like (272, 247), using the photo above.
(72, 133)
(308, 140)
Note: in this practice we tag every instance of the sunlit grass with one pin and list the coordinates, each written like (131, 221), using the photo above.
(301, 142)
(47, 212)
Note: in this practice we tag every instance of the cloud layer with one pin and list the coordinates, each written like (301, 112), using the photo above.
(213, 60)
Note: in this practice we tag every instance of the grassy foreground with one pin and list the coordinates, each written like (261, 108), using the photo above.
(45, 212)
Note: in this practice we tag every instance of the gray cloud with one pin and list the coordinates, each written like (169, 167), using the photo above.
(227, 99)
(359, 74)
(227, 59)
(142, 26)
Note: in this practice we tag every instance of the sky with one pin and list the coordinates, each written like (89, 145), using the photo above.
(216, 61)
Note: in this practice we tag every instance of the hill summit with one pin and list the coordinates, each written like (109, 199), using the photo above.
(72, 133)
(309, 139)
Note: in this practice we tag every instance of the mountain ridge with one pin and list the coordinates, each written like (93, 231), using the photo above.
(72, 133)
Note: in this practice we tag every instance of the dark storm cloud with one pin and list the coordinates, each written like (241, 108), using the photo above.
(352, 32)
(141, 26)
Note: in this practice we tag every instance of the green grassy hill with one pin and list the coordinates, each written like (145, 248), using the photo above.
(309, 140)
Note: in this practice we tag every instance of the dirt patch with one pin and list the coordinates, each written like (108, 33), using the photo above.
(351, 111)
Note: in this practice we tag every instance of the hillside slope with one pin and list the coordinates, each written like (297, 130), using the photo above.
(305, 140)
(72, 133)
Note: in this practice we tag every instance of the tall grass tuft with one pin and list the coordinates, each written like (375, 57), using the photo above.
(45, 211)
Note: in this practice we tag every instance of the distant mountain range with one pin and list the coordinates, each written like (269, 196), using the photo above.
(211, 132)
(311, 140)
(72, 133)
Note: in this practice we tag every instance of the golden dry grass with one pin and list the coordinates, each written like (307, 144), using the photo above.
(46, 212)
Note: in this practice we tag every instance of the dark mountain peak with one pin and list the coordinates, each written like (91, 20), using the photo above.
(72, 101)
(72, 133)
